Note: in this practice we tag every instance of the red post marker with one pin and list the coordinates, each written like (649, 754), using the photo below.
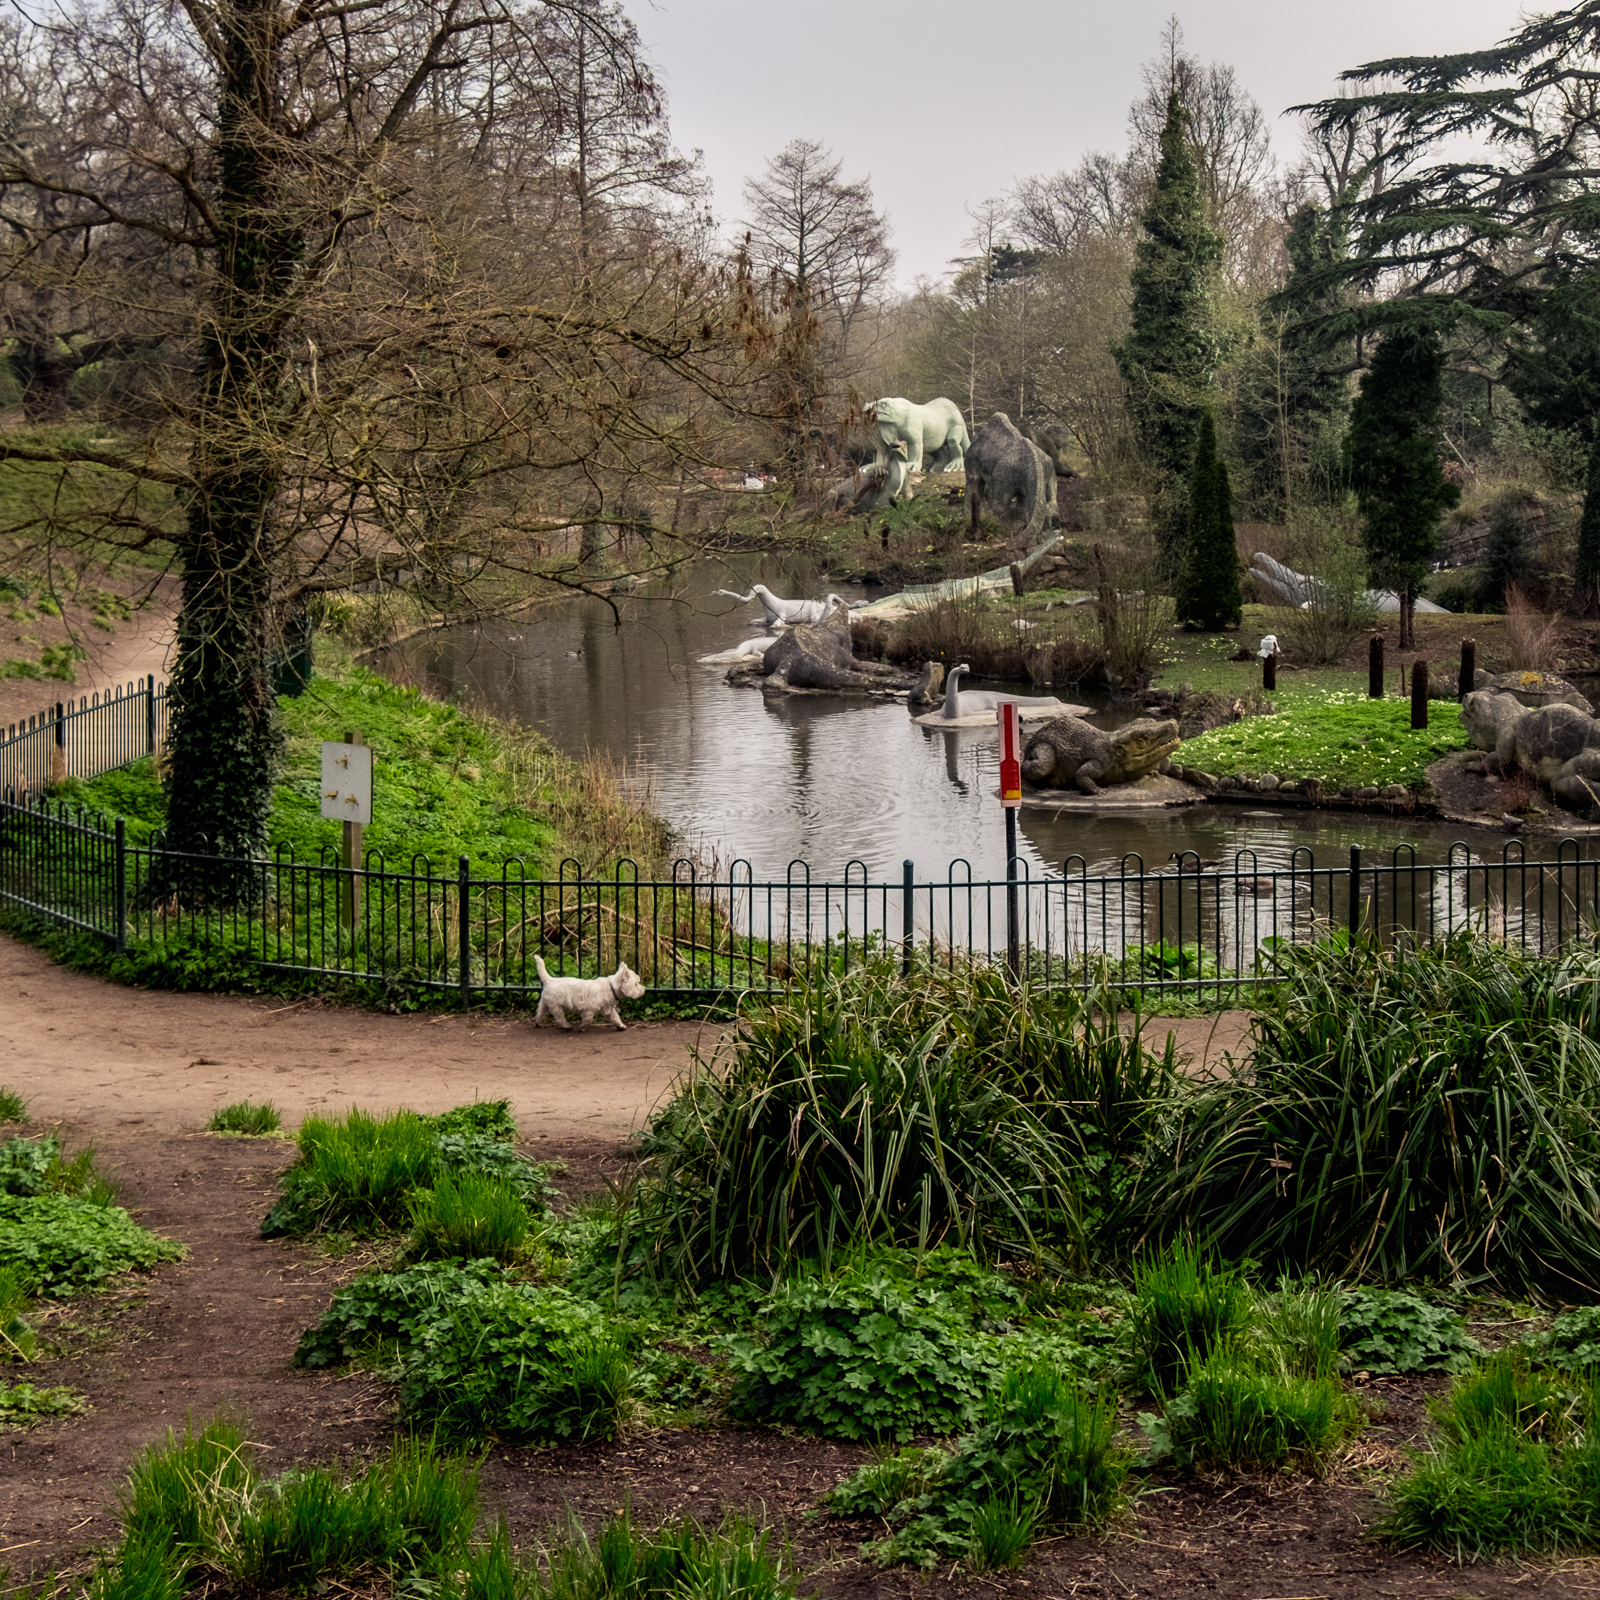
(1010, 755)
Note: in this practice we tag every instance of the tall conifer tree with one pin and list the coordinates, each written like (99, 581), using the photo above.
(1392, 452)
(1170, 357)
(1211, 599)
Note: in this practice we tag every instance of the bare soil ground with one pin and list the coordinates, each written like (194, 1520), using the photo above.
(139, 644)
(137, 1073)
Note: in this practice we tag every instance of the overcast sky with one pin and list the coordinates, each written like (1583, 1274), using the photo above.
(946, 104)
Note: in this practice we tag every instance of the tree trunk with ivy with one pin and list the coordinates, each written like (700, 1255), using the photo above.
(224, 740)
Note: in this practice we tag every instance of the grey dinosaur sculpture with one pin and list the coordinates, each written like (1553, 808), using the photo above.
(1068, 751)
(1010, 477)
(1300, 590)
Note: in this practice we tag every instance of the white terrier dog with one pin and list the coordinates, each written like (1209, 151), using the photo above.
(589, 997)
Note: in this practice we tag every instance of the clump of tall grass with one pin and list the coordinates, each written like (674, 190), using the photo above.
(871, 1108)
(678, 1559)
(1515, 1466)
(245, 1117)
(363, 1173)
(1533, 641)
(1185, 1306)
(469, 1217)
(198, 1506)
(1425, 1114)
(1240, 1412)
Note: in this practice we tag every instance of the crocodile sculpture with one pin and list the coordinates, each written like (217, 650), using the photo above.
(1068, 751)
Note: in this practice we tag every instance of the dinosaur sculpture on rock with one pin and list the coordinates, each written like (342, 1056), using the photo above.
(1068, 752)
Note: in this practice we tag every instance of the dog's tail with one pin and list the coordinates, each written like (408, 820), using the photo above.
(544, 977)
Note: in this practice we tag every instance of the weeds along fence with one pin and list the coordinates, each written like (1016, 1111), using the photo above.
(1186, 933)
(83, 738)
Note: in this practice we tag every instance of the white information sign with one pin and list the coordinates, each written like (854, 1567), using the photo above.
(347, 782)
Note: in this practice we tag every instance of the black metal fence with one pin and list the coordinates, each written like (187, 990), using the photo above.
(1187, 931)
(83, 738)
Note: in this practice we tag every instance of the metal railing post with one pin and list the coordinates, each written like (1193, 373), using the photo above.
(1355, 891)
(907, 873)
(150, 715)
(58, 761)
(120, 908)
(464, 954)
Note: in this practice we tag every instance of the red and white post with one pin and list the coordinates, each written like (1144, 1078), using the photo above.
(1011, 803)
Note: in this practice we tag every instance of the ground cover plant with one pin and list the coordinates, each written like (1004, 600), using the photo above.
(853, 1357)
(1427, 1114)
(1043, 1458)
(1336, 736)
(1389, 1331)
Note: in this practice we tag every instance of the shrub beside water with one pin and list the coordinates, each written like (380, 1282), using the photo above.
(864, 1109)
(1428, 1114)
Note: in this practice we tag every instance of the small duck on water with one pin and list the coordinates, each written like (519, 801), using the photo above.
(1188, 861)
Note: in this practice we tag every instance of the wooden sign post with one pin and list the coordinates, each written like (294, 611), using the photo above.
(347, 796)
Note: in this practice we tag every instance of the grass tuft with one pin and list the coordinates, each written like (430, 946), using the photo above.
(245, 1117)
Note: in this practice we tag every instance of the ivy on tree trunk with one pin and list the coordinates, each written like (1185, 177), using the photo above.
(224, 740)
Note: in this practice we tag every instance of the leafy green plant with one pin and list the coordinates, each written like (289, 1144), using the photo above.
(1392, 1331)
(468, 1217)
(23, 1404)
(1045, 1449)
(25, 1165)
(378, 1318)
(853, 1358)
(1238, 1413)
(13, 1108)
(516, 1363)
(1429, 1113)
(245, 1117)
(890, 1479)
(1571, 1343)
(59, 1244)
(1185, 1306)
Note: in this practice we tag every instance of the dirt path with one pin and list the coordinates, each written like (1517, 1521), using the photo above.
(97, 1055)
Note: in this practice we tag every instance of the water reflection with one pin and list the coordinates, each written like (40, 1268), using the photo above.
(829, 780)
